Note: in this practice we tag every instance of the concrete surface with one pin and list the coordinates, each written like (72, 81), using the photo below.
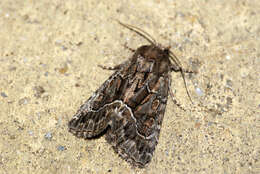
(48, 67)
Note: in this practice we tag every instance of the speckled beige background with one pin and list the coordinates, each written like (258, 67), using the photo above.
(49, 52)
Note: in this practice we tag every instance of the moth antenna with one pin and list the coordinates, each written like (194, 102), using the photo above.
(185, 84)
(175, 59)
(177, 62)
(140, 32)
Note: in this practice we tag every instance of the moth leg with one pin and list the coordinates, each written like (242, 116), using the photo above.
(127, 47)
(175, 101)
(178, 69)
(117, 67)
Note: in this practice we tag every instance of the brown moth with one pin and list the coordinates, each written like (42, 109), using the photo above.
(129, 106)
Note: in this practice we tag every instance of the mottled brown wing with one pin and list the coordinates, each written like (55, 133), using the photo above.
(93, 116)
(135, 126)
(130, 105)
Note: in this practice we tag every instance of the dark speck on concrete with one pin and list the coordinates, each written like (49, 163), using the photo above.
(48, 136)
(24, 101)
(229, 83)
(61, 148)
(3, 95)
(39, 90)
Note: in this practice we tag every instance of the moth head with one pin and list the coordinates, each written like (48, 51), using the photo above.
(154, 52)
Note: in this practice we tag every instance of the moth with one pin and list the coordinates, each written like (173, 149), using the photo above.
(128, 108)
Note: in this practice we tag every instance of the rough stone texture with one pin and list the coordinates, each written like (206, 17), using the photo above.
(49, 52)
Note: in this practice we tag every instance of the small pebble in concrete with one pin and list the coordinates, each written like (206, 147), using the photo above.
(61, 148)
(48, 136)
(199, 92)
(3, 95)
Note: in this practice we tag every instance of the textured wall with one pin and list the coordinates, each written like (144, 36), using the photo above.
(49, 52)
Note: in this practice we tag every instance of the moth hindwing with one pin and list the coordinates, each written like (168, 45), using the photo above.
(128, 108)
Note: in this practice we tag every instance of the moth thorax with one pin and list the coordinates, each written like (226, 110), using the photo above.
(156, 53)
